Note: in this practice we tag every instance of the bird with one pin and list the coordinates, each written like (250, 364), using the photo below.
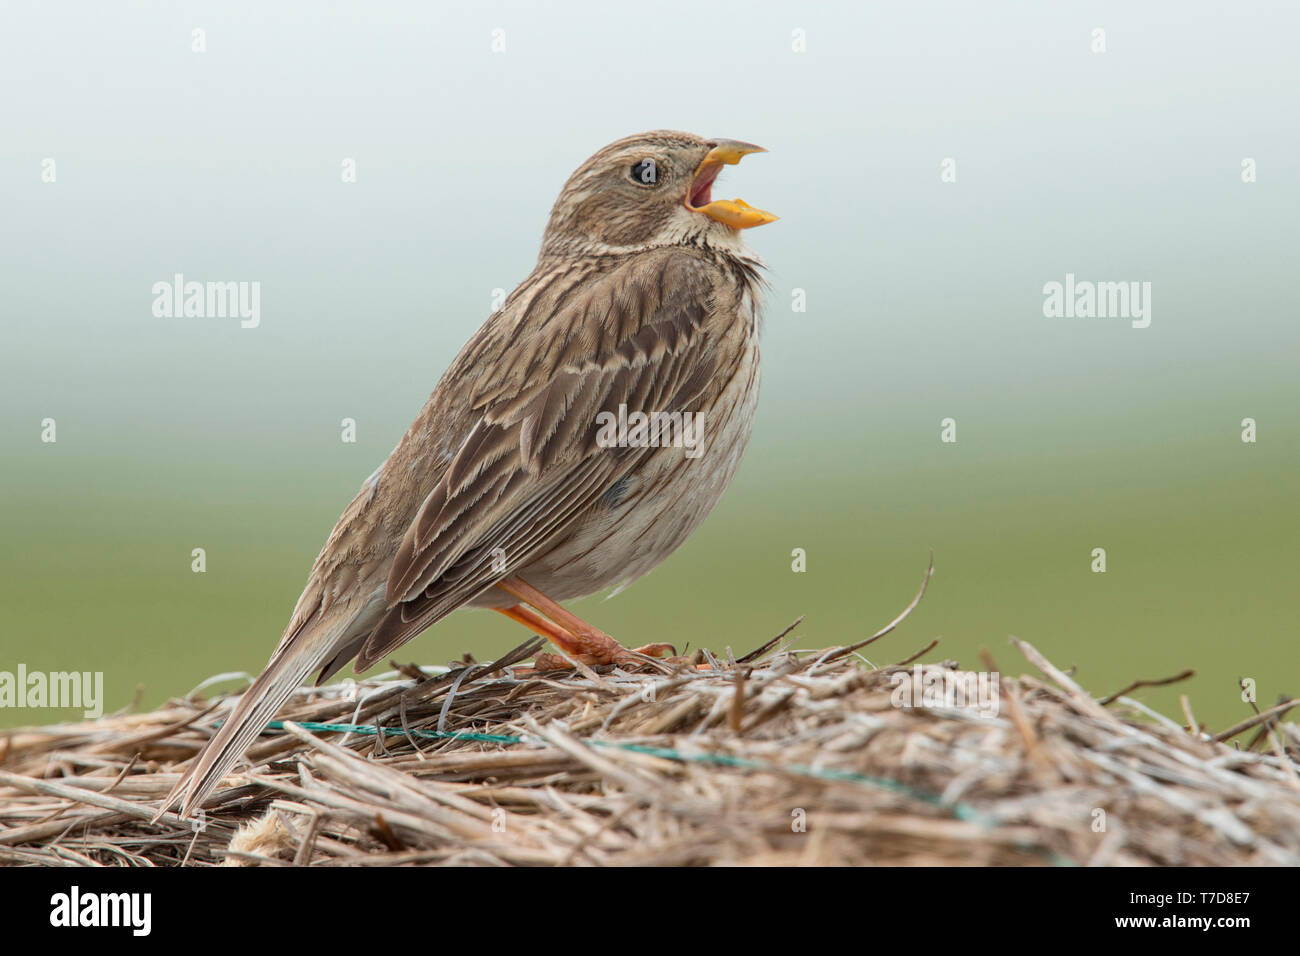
(548, 462)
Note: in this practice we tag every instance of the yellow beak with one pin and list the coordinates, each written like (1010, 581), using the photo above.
(735, 213)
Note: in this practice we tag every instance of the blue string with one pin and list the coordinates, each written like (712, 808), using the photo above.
(959, 811)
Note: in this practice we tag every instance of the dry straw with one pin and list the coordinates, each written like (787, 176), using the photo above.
(780, 757)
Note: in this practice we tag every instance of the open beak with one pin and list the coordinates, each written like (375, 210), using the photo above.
(735, 213)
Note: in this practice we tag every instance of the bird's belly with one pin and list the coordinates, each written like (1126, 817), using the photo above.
(663, 501)
(656, 508)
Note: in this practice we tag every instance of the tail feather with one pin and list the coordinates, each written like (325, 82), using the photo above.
(249, 718)
(315, 643)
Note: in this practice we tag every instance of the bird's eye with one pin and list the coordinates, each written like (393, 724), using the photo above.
(645, 172)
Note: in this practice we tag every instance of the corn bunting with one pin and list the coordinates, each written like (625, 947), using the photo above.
(580, 436)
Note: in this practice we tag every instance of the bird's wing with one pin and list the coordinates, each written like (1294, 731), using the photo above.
(529, 465)
(532, 465)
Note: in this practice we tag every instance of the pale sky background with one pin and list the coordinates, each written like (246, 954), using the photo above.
(924, 299)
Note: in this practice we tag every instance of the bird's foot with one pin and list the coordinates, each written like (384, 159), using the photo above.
(595, 649)
(575, 637)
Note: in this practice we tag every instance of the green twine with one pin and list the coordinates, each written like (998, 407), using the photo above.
(960, 811)
(372, 730)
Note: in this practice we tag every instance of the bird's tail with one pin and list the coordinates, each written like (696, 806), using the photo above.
(292, 661)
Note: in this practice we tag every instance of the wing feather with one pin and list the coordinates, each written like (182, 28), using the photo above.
(531, 464)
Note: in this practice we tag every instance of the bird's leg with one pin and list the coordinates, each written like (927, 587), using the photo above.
(537, 624)
(569, 632)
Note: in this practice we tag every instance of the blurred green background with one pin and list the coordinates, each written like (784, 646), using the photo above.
(924, 301)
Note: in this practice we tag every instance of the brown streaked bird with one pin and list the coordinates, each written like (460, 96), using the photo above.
(502, 493)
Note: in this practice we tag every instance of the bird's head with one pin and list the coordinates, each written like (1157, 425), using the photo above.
(650, 190)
